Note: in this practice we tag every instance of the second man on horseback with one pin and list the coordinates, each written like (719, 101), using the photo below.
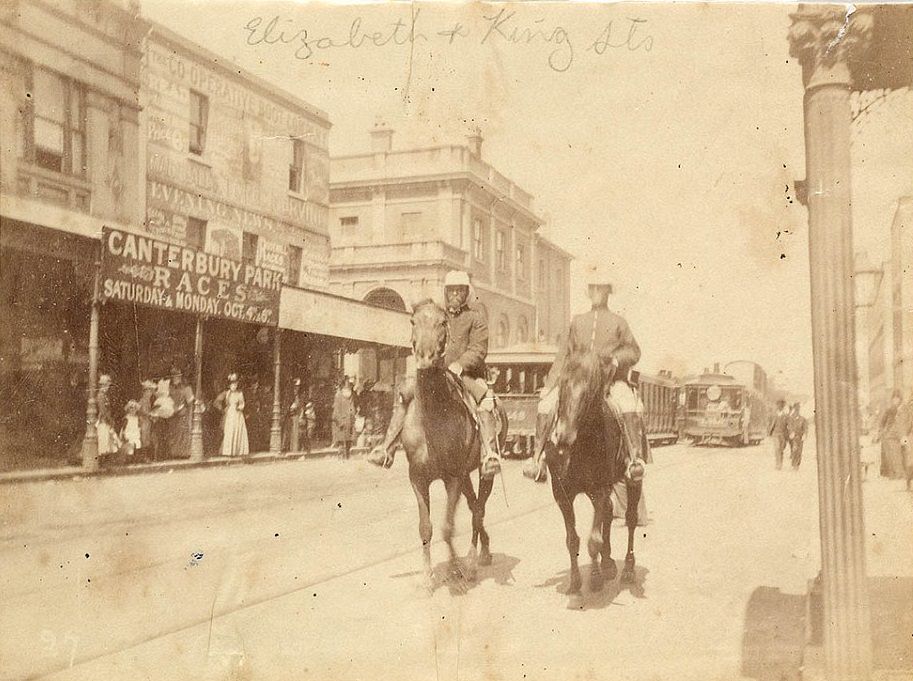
(608, 335)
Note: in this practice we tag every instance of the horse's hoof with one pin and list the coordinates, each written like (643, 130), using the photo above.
(610, 569)
(575, 602)
(597, 581)
(575, 586)
(627, 575)
(485, 558)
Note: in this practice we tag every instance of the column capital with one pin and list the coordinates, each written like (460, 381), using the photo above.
(824, 38)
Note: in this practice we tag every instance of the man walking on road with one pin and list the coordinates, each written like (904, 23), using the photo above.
(797, 429)
(779, 429)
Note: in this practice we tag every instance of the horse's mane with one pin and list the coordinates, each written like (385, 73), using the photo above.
(423, 303)
(583, 367)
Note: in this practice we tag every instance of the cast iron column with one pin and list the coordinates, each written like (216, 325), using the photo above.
(90, 441)
(822, 37)
(196, 425)
(275, 431)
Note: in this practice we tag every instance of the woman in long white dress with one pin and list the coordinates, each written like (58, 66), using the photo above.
(234, 428)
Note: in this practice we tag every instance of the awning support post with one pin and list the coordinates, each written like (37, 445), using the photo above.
(275, 431)
(90, 441)
(196, 425)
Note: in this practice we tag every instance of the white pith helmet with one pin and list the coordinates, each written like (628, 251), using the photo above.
(597, 274)
(456, 278)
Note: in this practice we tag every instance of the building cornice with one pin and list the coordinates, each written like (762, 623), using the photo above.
(498, 196)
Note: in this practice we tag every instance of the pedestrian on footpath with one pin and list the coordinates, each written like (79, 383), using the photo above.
(148, 439)
(779, 429)
(310, 416)
(905, 429)
(295, 423)
(344, 419)
(131, 433)
(889, 434)
(234, 428)
(104, 426)
(179, 423)
(797, 430)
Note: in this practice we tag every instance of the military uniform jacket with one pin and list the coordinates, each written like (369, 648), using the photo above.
(606, 333)
(467, 342)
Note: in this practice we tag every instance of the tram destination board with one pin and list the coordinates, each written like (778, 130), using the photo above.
(146, 271)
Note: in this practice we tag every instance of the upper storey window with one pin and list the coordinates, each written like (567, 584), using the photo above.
(55, 123)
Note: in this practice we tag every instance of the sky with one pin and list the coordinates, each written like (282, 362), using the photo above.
(660, 139)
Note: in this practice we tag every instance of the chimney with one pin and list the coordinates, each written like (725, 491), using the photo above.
(716, 367)
(474, 140)
(381, 137)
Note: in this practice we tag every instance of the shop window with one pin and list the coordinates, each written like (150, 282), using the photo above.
(199, 118)
(296, 166)
(293, 276)
(521, 262)
(249, 247)
(196, 233)
(478, 243)
(349, 221)
(501, 251)
(55, 123)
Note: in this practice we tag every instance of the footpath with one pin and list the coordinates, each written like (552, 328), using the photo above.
(78, 472)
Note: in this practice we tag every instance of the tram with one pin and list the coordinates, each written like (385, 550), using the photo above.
(518, 374)
(660, 396)
(722, 408)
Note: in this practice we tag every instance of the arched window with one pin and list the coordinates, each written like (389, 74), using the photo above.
(502, 333)
(522, 330)
(387, 298)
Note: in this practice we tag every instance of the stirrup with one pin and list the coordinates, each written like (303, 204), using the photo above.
(491, 467)
(381, 456)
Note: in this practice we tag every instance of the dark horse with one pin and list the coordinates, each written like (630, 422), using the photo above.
(589, 458)
(441, 439)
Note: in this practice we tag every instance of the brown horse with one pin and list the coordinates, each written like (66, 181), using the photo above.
(441, 438)
(589, 458)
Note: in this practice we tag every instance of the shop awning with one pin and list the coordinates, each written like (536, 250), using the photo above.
(329, 315)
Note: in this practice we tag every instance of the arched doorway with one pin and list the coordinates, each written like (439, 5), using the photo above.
(382, 366)
(386, 298)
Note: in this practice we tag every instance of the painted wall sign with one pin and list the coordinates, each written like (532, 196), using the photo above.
(144, 270)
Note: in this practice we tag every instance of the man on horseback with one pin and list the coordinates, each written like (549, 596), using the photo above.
(609, 336)
(467, 347)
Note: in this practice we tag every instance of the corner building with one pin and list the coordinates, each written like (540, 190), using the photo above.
(401, 219)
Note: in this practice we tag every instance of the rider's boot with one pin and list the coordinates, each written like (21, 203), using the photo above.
(488, 434)
(383, 454)
(634, 437)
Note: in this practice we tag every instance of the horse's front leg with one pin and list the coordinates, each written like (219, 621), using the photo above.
(485, 487)
(473, 502)
(424, 527)
(573, 541)
(610, 570)
(634, 490)
(454, 487)
(596, 540)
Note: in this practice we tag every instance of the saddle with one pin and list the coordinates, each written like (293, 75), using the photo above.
(460, 392)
